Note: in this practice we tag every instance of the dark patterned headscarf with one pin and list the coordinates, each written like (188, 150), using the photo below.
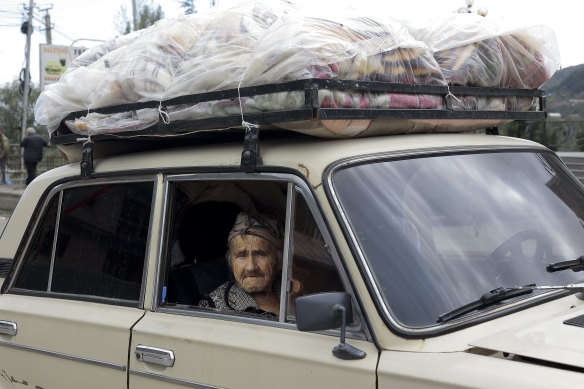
(264, 226)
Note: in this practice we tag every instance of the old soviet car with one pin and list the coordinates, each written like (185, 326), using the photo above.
(438, 247)
(415, 260)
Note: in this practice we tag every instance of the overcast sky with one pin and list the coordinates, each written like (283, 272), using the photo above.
(83, 19)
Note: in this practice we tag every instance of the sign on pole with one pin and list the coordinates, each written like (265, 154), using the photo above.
(54, 60)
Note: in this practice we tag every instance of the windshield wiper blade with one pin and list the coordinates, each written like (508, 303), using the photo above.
(575, 265)
(491, 297)
(502, 293)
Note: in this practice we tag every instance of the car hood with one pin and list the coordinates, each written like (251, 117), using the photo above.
(556, 339)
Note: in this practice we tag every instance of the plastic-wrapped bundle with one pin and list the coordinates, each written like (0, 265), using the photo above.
(264, 43)
(474, 51)
(354, 48)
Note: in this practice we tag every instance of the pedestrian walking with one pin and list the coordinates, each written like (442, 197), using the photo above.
(3, 155)
(33, 145)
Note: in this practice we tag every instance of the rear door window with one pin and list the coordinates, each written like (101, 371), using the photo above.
(91, 241)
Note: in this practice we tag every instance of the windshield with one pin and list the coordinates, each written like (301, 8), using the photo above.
(438, 232)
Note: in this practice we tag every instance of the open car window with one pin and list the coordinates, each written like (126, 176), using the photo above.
(201, 216)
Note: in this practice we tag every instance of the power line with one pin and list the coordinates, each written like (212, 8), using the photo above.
(63, 35)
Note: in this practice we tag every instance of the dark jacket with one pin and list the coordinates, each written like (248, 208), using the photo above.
(33, 148)
(3, 147)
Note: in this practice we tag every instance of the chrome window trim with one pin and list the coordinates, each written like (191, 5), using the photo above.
(286, 262)
(58, 190)
(305, 191)
(55, 235)
(398, 155)
(69, 357)
(172, 380)
(149, 239)
(76, 297)
(163, 232)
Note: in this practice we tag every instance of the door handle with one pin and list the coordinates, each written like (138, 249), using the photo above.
(8, 328)
(155, 355)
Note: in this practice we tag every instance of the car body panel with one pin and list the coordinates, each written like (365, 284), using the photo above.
(548, 339)
(215, 351)
(466, 370)
(69, 343)
(228, 354)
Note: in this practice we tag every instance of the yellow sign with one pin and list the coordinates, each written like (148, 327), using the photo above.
(54, 60)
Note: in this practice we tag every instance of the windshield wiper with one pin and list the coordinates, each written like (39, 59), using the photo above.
(499, 294)
(491, 297)
(574, 265)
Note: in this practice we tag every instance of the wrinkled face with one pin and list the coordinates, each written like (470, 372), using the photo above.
(254, 261)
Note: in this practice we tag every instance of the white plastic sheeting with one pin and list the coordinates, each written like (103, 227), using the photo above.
(263, 43)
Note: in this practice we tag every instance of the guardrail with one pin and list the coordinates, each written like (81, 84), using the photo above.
(52, 158)
(575, 162)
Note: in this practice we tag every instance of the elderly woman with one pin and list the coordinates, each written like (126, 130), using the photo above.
(254, 256)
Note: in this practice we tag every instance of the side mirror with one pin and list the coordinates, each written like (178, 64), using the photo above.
(325, 311)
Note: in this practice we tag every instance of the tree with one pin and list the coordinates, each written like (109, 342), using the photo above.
(537, 131)
(11, 109)
(147, 12)
(188, 6)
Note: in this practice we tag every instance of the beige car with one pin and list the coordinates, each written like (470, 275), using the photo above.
(440, 260)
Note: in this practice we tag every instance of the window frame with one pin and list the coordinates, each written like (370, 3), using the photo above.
(295, 184)
(58, 190)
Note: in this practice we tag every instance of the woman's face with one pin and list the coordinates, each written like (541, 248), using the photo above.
(255, 263)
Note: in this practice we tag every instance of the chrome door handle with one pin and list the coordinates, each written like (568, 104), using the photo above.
(155, 355)
(8, 328)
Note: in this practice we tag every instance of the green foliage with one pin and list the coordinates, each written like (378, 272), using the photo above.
(11, 109)
(147, 15)
(536, 131)
(573, 85)
(557, 135)
(188, 6)
(565, 92)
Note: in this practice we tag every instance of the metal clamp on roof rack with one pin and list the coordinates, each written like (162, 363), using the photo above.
(87, 159)
(250, 156)
(492, 130)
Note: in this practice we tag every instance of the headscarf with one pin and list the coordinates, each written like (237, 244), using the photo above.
(264, 226)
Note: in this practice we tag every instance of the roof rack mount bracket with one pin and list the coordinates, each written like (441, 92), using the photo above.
(250, 156)
(87, 160)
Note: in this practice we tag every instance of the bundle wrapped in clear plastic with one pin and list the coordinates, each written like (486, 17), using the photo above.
(266, 43)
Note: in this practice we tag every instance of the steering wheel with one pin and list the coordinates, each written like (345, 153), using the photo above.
(512, 245)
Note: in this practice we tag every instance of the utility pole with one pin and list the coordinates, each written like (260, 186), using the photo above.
(48, 28)
(135, 15)
(27, 69)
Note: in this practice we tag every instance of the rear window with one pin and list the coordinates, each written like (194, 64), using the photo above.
(91, 242)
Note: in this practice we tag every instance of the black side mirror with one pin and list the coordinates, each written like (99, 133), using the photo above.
(325, 311)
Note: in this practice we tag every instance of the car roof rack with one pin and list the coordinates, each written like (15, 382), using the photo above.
(198, 129)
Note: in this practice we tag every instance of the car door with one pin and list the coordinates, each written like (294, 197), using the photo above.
(181, 344)
(69, 304)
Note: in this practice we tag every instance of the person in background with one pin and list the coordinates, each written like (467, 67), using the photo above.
(33, 152)
(3, 155)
